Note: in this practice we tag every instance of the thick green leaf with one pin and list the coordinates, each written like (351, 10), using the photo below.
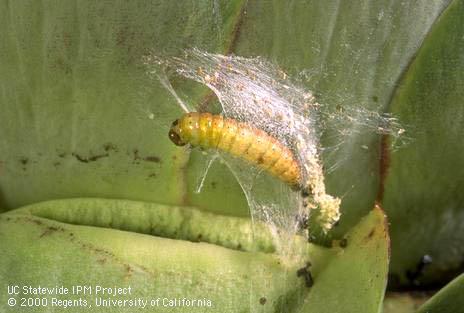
(356, 278)
(184, 223)
(42, 251)
(423, 191)
(447, 300)
(201, 255)
(75, 99)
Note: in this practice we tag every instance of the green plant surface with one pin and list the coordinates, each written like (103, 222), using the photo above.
(75, 100)
(356, 278)
(153, 266)
(353, 53)
(184, 223)
(448, 300)
(423, 188)
(92, 254)
(402, 57)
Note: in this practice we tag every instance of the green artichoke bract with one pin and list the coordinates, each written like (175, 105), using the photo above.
(80, 117)
(37, 251)
(78, 100)
(67, 243)
(447, 300)
(422, 188)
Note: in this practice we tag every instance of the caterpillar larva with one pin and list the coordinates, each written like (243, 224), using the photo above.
(238, 139)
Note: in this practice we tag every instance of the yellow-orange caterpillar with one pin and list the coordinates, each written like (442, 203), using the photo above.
(239, 139)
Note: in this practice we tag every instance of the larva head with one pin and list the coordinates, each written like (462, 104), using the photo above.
(175, 134)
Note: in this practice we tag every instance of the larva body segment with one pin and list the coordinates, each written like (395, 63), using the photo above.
(241, 146)
(205, 128)
(238, 139)
(216, 130)
(228, 136)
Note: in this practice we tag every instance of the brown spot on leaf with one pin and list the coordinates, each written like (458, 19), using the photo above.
(92, 158)
(129, 271)
(136, 155)
(50, 230)
(262, 301)
(371, 233)
(24, 162)
(30, 220)
(110, 147)
(306, 274)
(80, 159)
(149, 158)
(37, 222)
(152, 158)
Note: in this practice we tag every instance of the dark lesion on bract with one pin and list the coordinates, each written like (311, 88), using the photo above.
(150, 158)
(371, 233)
(110, 147)
(50, 230)
(306, 274)
(24, 161)
(92, 158)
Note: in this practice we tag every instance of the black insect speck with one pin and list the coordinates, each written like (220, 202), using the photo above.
(306, 274)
